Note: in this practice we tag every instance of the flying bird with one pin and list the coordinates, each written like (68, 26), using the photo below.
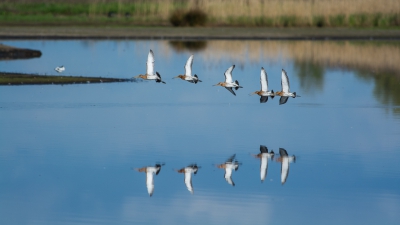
(60, 69)
(188, 72)
(229, 166)
(193, 168)
(285, 160)
(264, 156)
(285, 93)
(264, 93)
(150, 171)
(229, 84)
(150, 75)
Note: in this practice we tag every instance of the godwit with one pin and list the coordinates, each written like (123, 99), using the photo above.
(264, 93)
(229, 84)
(60, 69)
(150, 75)
(285, 93)
(264, 155)
(188, 72)
(285, 159)
(229, 166)
(150, 171)
(188, 175)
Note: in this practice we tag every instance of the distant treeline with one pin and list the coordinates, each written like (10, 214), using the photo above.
(268, 13)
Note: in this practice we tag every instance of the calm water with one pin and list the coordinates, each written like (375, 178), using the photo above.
(67, 152)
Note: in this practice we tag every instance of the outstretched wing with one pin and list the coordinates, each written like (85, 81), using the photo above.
(283, 152)
(263, 99)
(284, 169)
(150, 63)
(264, 80)
(228, 176)
(283, 100)
(285, 82)
(230, 90)
(263, 149)
(188, 181)
(150, 182)
(188, 66)
(230, 159)
(228, 74)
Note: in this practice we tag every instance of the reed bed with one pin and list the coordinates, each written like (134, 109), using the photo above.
(222, 12)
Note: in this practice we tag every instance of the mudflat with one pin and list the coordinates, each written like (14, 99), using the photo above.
(194, 33)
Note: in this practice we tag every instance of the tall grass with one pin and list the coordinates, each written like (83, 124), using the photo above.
(281, 13)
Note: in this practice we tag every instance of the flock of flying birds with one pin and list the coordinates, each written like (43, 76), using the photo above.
(229, 84)
(229, 166)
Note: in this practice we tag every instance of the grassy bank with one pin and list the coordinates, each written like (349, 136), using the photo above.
(29, 79)
(267, 13)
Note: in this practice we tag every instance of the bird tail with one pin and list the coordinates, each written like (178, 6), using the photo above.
(273, 94)
(294, 95)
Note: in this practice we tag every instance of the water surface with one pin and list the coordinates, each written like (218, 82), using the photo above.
(67, 152)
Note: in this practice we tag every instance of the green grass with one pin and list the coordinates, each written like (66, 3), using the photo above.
(149, 13)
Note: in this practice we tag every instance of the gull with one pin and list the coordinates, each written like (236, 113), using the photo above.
(150, 75)
(188, 175)
(264, 93)
(285, 159)
(150, 171)
(229, 84)
(188, 72)
(229, 166)
(285, 93)
(60, 69)
(264, 155)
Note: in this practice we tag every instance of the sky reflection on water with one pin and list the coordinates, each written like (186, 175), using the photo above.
(67, 152)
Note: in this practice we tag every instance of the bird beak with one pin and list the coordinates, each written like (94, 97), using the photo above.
(253, 93)
(216, 84)
(138, 76)
(175, 77)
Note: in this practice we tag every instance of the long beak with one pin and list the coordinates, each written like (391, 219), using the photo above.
(216, 85)
(175, 77)
(138, 76)
(253, 93)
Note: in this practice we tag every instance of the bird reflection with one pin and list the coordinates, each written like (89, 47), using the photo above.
(285, 160)
(285, 92)
(188, 72)
(150, 75)
(264, 93)
(229, 166)
(188, 175)
(150, 171)
(229, 84)
(264, 155)
(60, 69)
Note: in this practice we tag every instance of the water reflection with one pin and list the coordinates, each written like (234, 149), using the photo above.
(187, 171)
(264, 156)
(230, 165)
(150, 171)
(192, 46)
(285, 160)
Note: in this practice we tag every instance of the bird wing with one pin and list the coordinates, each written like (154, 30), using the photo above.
(230, 159)
(150, 182)
(283, 100)
(228, 74)
(264, 80)
(263, 167)
(188, 180)
(188, 66)
(230, 90)
(263, 99)
(228, 175)
(284, 169)
(285, 82)
(283, 152)
(150, 63)
(263, 149)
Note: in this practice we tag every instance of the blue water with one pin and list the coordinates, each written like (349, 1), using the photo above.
(67, 153)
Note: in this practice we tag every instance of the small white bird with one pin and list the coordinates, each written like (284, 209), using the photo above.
(150, 171)
(229, 84)
(188, 175)
(60, 69)
(188, 72)
(285, 93)
(229, 166)
(285, 159)
(150, 75)
(264, 93)
(264, 155)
